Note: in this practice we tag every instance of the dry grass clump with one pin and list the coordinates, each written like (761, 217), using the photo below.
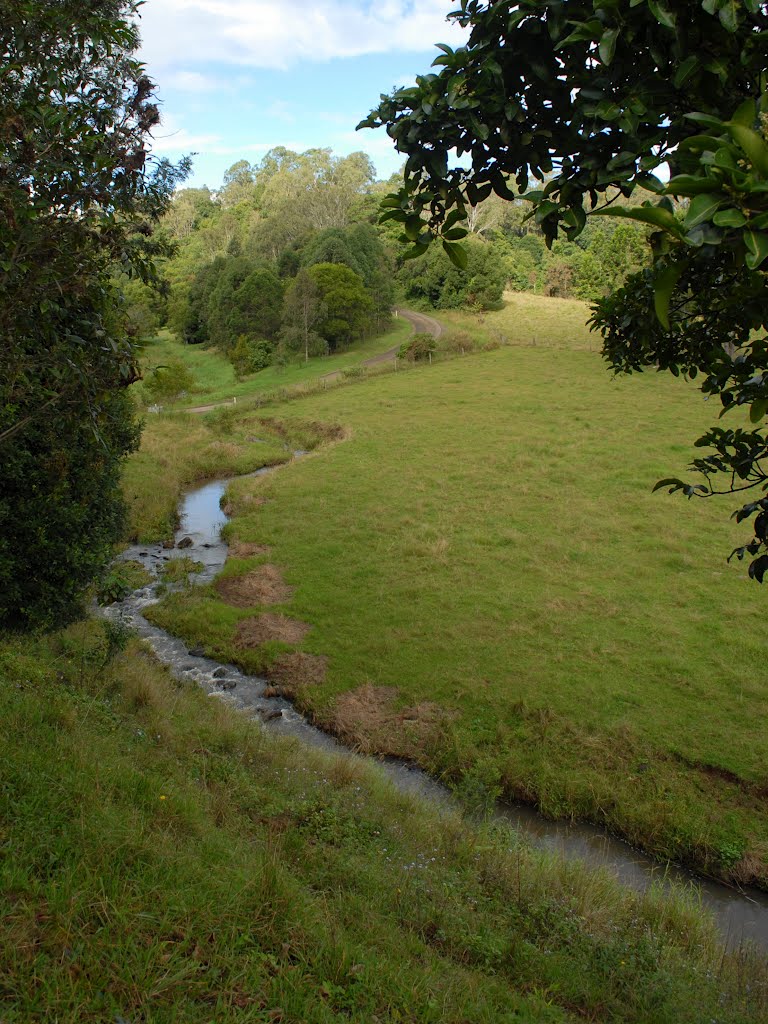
(244, 503)
(269, 626)
(369, 719)
(262, 585)
(291, 672)
(247, 549)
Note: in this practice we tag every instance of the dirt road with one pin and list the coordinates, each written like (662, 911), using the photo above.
(421, 323)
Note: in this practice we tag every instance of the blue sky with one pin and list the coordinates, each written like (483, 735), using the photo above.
(238, 77)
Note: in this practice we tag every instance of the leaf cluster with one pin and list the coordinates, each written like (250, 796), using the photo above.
(586, 96)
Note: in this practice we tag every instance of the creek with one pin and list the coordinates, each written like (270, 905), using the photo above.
(741, 914)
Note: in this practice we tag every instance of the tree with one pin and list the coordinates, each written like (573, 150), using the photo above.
(315, 191)
(591, 98)
(433, 277)
(238, 185)
(303, 310)
(348, 307)
(79, 198)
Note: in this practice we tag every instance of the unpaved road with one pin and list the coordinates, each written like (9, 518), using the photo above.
(421, 323)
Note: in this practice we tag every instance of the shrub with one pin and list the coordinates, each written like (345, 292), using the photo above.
(250, 354)
(419, 347)
(457, 342)
(169, 382)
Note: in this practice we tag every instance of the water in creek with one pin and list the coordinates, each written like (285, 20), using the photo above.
(741, 915)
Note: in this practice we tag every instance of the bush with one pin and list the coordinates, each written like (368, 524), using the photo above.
(120, 580)
(457, 342)
(250, 354)
(419, 347)
(61, 512)
(167, 383)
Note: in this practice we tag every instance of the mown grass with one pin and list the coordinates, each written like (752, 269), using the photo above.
(163, 860)
(486, 541)
(215, 376)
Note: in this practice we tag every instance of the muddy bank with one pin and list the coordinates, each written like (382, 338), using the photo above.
(740, 915)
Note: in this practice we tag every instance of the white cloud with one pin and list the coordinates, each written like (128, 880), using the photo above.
(174, 139)
(275, 34)
(171, 137)
(281, 111)
(190, 81)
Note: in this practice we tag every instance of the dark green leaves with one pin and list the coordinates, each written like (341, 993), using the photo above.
(658, 216)
(607, 46)
(457, 254)
(756, 243)
(664, 285)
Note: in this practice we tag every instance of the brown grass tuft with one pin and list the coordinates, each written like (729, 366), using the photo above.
(291, 672)
(263, 585)
(369, 719)
(750, 869)
(246, 549)
(269, 626)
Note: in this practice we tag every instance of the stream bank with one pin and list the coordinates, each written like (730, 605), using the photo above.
(741, 915)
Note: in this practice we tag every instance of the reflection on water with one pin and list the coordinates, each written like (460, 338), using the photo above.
(740, 916)
(201, 514)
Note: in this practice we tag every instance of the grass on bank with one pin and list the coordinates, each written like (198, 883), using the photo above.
(215, 376)
(163, 860)
(499, 596)
(179, 449)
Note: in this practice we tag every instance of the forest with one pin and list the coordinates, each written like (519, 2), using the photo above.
(287, 259)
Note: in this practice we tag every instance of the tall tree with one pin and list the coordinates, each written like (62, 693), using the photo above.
(79, 196)
(348, 307)
(590, 98)
(303, 310)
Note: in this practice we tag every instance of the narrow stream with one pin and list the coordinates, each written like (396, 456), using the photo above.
(741, 915)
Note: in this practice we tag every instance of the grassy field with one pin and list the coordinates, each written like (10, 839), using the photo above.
(162, 860)
(179, 449)
(215, 376)
(526, 319)
(498, 595)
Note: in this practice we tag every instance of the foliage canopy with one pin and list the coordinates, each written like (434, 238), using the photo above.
(591, 98)
(79, 197)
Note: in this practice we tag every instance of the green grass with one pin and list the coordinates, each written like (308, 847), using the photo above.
(526, 319)
(215, 375)
(162, 860)
(486, 541)
(179, 449)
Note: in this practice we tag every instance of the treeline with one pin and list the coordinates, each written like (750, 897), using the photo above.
(506, 250)
(287, 260)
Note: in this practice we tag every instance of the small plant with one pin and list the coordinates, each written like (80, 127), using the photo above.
(120, 580)
(418, 348)
(730, 852)
(178, 570)
(117, 635)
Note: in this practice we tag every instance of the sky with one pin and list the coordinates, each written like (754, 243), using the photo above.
(239, 77)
